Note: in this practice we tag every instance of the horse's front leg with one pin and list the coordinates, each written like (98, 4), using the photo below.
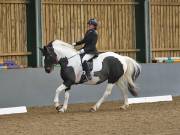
(66, 99)
(56, 98)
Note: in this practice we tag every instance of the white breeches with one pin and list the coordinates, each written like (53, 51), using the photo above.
(87, 57)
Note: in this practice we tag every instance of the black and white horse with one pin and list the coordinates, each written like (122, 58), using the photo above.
(116, 69)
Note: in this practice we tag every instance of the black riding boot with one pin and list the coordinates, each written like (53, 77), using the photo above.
(87, 70)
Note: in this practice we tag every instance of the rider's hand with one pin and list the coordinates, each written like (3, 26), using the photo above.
(73, 43)
(81, 51)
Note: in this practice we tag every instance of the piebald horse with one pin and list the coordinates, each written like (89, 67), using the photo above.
(116, 69)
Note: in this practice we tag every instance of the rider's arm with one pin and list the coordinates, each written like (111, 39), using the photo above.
(91, 41)
(87, 38)
(84, 40)
(80, 42)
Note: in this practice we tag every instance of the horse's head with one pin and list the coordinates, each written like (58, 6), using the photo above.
(50, 57)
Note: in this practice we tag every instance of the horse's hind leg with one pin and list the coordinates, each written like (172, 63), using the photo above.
(122, 84)
(106, 93)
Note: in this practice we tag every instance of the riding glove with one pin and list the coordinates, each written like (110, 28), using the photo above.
(81, 51)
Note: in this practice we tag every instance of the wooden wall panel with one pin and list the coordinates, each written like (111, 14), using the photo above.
(13, 40)
(165, 28)
(67, 20)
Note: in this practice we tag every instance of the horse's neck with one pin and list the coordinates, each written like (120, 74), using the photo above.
(64, 51)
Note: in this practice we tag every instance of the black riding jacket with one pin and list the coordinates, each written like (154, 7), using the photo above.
(89, 41)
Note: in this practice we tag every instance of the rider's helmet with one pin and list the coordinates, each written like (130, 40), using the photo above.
(92, 22)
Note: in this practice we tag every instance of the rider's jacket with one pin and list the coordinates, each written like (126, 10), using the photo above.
(89, 41)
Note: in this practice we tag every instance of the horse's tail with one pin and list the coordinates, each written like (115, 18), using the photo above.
(131, 74)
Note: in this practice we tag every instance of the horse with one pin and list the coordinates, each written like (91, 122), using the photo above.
(108, 66)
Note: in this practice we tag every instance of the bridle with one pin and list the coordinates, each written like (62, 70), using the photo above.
(57, 61)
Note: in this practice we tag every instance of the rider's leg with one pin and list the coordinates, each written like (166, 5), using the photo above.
(87, 70)
(85, 65)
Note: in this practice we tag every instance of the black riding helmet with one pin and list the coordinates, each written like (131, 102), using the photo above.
(92, 22)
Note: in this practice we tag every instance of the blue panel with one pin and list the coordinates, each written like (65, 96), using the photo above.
(32, 86)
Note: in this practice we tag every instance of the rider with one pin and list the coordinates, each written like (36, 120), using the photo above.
(89, 50)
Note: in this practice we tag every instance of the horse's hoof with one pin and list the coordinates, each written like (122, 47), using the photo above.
(92, 109)
(62, 110)
(124, 107)
(58, 108)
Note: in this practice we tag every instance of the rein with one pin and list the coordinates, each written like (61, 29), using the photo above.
(57, 62)
(73, 56)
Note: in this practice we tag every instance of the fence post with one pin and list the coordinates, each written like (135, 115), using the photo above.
(140, 30)
(148, 31)
(31, 32)
(34, 33)
(38, 31)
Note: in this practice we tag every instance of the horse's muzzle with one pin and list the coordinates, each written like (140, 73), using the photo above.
(48, 70)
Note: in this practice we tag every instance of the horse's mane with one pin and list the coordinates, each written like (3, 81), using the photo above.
(64, 44)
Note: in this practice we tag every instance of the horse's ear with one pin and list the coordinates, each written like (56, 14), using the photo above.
(42, 50)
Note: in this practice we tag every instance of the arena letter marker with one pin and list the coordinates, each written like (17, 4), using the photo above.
(149, 99)
(13, 110)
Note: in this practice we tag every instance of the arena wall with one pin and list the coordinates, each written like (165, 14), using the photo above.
(33, 87)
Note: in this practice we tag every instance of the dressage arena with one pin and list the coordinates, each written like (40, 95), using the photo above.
(145, 30)
(161, 118)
